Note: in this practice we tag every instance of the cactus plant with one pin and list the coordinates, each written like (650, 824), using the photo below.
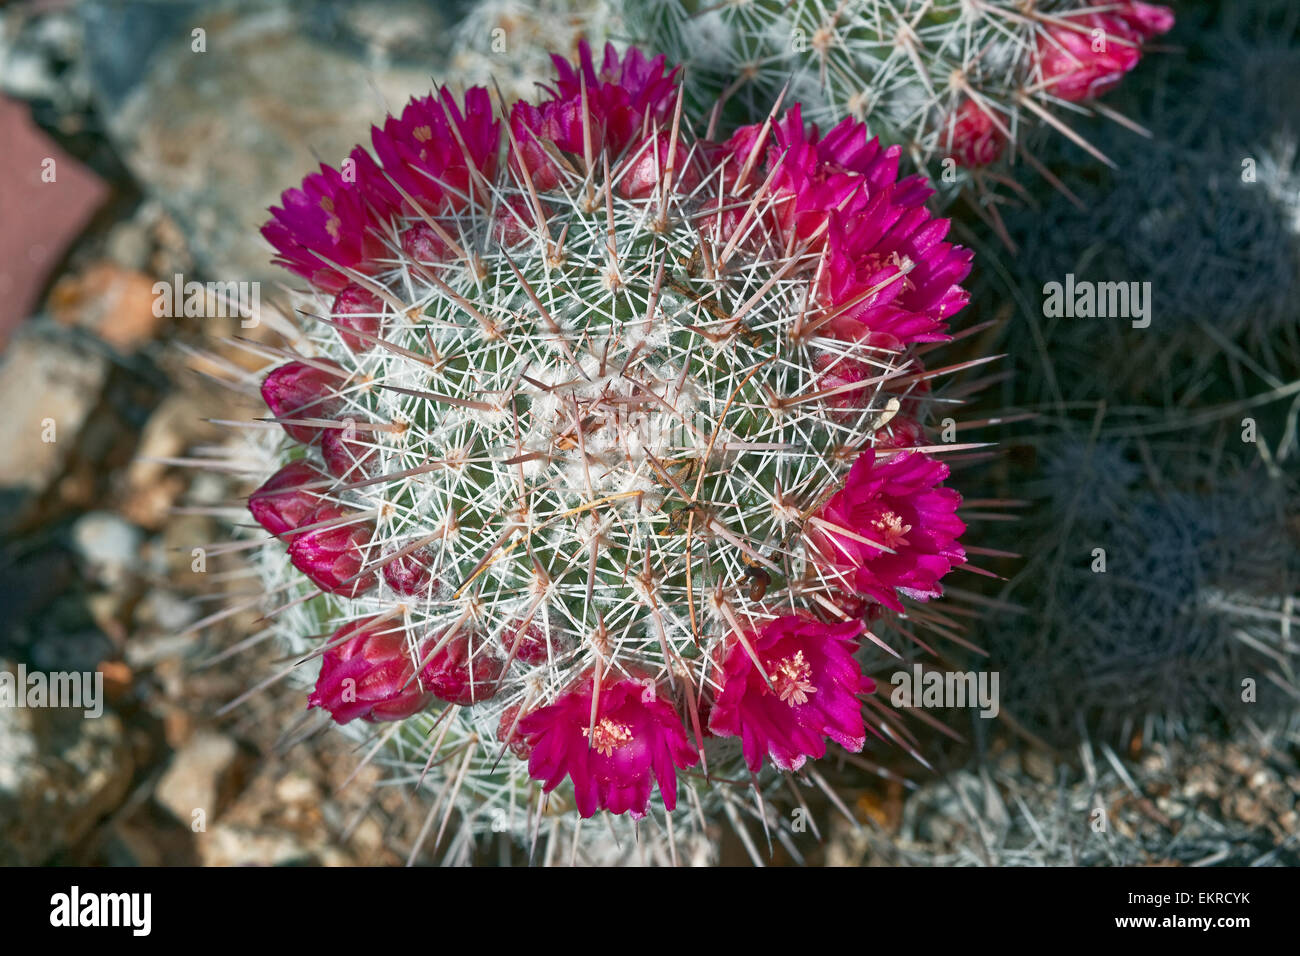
(1150, 600)
(604, 462)
(953, 81)
(1213, 195)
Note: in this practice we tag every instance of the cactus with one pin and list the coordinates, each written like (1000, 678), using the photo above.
(1214, 194)
(953, 81)
(1150, 600)
(604, 463)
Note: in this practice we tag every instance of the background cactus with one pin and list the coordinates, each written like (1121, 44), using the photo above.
(955, 82)
(1213, 194)
(607, 455)
(1192, 592)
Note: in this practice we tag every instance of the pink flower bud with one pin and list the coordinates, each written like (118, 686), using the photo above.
(368, 672)
(346, 456)
(299, 390)
(332, 557)
(424, 245)
(976, 139)
(410, 574)
(531, 643)
(458, 673)
(283, 503)
(1086, 59)
(508, 732)
(360, 309)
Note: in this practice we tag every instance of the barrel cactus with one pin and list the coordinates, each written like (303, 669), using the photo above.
(605, 452)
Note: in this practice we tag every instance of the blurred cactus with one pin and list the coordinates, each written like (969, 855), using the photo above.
(1207, 210)
(1150, 599)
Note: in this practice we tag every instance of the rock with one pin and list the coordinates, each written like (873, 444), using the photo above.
(232, 845)
(109, 545)
(201, 777)
(50, 382)
(46, 199)
(116, 304)
(60, 772)
(218, 134)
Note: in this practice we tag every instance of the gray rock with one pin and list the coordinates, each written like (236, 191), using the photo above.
(199, 778)
(60, 773)
(217, 135)
(109, 545)
(49, 383)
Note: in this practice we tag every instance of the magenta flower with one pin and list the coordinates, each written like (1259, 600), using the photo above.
(359, 309)
(437, 153)
(459, 673)
(626, 96)
(299, 390)
(637, 735)
(809, 695)
(286, 499)
(368, 672)
(333, 557)
(328, 218)
(1078, 63)
(895, 504)
(888, 278)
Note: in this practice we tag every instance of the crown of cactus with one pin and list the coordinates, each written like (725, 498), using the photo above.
(948, 79)
(604, 447)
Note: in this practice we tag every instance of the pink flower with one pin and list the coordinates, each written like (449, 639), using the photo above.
(298, 390)
(636, 735)
(1080, 63)
(368, 672)
(625, 97)
(975, 139)
(360, 309)
(814, 683)
(459, 673)
(436, 152)
(333, 557)
(283, 502)
(895, 503)
(889, 278)
(328, 218)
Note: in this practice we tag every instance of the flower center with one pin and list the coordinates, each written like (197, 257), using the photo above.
(791, 680)
(608, 736)
(891, 528)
